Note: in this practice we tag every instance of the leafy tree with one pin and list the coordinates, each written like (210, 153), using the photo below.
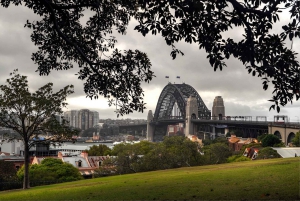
(218, 153)
(128, 157)
(220, 140)
(158, 158)
(107, 71)
(52, 169)
(262, 49)
(182, 150)
(33, 114)
(261, 137)
(267, 152)
(173, 152)
(280, 144)
(296, 140)
(270, 140)
(207, 142)
(143, 147)
(8, 171)
(99, 150)
(61, 39)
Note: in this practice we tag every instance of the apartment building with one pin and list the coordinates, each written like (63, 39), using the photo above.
(82, 119)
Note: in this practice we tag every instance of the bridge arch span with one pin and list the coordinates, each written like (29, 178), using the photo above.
(278, 134)
(290, 137)
(178, 93)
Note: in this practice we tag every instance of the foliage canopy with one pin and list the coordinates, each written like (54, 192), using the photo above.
(173, 152)
(52, 169)
(98, 150)
(33, 115)
(62, 38)
(296, 140)
(270, 140)
(267, 152)
(7, 171)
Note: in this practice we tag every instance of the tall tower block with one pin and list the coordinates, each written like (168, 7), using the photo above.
(218, 109)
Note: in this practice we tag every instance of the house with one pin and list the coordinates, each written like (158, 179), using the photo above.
(18, 161)
(251, 152)
(236, 143)
(174, 130)
(130, 138)
(79, 161)
(288, 152)
(85, 164)
(97, 161)
(194, 138)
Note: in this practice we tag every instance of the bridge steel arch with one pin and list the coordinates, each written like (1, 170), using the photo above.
(178, 93)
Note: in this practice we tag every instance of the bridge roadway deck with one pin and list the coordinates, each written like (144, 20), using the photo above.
(231, 122)
(249, 123)
(221, 122)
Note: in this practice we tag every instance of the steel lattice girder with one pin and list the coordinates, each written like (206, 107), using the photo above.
(178, 93)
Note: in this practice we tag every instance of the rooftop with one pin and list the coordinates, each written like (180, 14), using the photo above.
(287, 152)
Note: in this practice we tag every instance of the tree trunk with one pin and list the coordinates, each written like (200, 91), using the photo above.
(26, 166)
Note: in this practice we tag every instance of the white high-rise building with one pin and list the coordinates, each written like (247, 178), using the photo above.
(82, 119)
(72, 118)
(96, 118)
(85, 119)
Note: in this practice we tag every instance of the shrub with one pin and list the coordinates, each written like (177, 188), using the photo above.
(296, 140)
(270, 140)
(267, 152)
(51, 169)
(237, 158)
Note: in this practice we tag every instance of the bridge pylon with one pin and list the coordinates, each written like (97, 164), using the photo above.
(218, 109)
(150, 128)
(191, 113)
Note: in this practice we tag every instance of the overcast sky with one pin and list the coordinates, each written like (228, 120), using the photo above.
(242, 93)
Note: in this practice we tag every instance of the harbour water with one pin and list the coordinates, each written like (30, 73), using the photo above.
(80, 146)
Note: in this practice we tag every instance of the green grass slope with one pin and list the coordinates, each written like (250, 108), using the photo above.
(276, 179)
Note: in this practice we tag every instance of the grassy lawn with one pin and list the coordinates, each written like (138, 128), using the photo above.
(273, 179)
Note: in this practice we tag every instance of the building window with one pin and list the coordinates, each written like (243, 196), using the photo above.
(78, 163)
(171, 129)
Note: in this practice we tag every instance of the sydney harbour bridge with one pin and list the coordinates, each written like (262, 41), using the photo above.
(181, 104)
(177, 95)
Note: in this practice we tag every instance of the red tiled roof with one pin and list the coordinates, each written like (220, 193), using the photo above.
(233, 140)
(4, 153)
(94, 160)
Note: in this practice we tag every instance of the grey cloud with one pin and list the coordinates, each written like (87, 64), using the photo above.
(233, 83)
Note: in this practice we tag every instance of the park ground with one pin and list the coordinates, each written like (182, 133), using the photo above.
(272, 179)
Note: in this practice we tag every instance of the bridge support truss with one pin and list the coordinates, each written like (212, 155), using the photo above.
(178, 95)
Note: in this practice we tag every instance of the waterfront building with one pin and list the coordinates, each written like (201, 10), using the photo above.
(82, 119)
(96, 118)
(85, 119)
(72, 117)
